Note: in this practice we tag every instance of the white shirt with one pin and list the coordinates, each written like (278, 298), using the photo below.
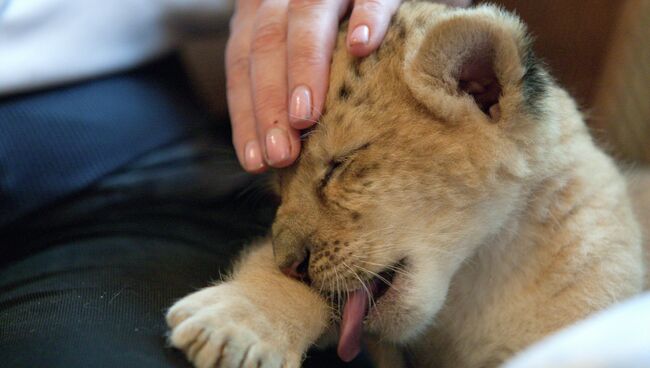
(618, 337)
(45, 43)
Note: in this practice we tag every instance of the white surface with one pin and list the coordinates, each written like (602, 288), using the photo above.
(49, 42)
(615, 338)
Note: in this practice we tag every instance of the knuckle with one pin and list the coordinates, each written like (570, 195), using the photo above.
(301, 5)
(267, 106)
(268, 36)
(310, 56)
(372, 6)
(237, 63)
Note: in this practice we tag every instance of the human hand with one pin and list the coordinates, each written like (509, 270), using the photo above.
(277, 67)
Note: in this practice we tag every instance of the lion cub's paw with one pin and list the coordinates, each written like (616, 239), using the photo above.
(219, 327)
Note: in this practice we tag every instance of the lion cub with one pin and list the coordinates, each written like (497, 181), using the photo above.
(450, 202)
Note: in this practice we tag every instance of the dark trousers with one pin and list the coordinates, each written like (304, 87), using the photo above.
(85, 280)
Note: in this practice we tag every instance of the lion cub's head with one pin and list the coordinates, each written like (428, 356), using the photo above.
(424, 152)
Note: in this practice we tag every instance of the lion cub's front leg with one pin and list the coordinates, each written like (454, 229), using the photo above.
(259, 318)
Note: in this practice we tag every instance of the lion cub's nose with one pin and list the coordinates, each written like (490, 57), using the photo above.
(299, 269)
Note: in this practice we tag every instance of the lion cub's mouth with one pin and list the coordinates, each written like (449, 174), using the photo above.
(356, 308)
(380, 284)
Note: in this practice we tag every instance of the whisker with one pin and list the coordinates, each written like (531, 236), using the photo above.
(383, 279)
(302, 118)
(338, 289)
(389, 267)
(363, 284)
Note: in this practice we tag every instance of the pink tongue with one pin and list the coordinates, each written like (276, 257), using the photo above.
(352, 325)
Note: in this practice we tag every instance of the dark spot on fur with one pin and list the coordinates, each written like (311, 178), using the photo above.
(327, 253)
(366, 184)
(344, 92)
(331, 257)
(355, 215)
(401, 31)
(320, 193)
(336, 249)
(337, 242)
(535, 82)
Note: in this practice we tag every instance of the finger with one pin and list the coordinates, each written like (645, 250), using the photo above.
(312, 30)
(368, 24)
(240, 102)
(269, 82)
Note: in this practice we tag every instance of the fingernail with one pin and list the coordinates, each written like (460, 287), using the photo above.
(277, 146)
(360, 35)
(300, 108)
(253, 156)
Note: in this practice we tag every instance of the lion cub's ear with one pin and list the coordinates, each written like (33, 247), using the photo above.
(476, 63)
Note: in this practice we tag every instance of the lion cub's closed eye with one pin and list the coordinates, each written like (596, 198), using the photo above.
(450, 201)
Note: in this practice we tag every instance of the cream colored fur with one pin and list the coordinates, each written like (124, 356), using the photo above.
(510, 224)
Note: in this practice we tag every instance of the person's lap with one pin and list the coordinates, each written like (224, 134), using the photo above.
(86, 281)
(110, 260)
